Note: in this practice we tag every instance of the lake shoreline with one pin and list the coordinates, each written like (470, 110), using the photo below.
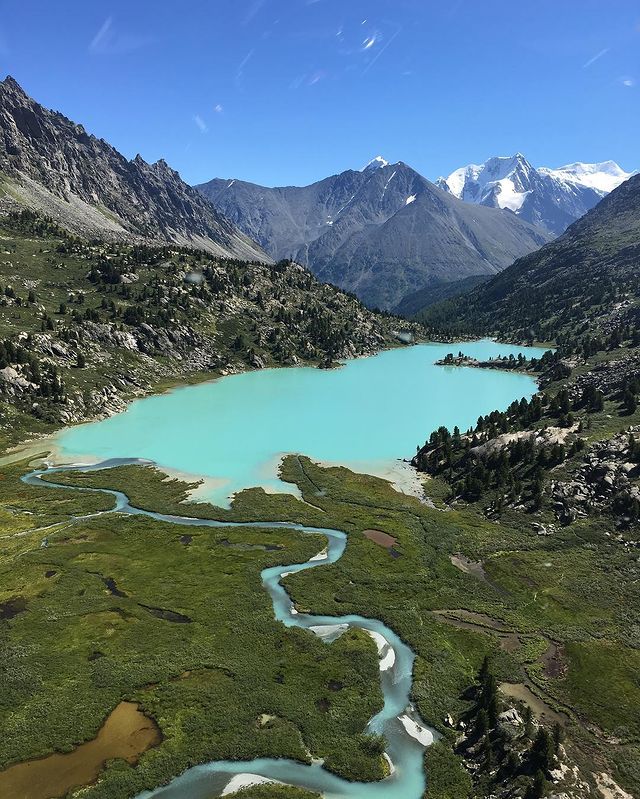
(32, 442)
(228, 435)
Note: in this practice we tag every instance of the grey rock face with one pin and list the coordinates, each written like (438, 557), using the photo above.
(51, 164)
(381, 233)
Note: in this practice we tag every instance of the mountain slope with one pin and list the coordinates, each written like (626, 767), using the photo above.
(381, 233)
(586, 280)
(549, 198)
(418, 301)
(51, 164)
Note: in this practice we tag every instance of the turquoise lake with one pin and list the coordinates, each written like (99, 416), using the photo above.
(368, 415)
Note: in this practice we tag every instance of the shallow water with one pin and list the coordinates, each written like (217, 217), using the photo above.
(366, 415)
(126, 733)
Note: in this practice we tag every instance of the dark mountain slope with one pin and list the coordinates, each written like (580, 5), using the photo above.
(382, 232)
(420, 300)
(587, 280)
(51, 164)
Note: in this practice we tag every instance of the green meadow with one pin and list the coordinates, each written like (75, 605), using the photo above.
(233, 683)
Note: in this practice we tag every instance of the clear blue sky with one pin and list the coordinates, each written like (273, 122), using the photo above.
(289, 91)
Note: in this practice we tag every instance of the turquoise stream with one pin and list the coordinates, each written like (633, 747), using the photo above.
(365, 415)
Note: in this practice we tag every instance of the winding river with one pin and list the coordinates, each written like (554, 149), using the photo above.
(234, 432)
(405, 733)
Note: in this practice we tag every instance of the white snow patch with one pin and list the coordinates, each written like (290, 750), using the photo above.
(504, 178)
(506, 182)
(386, 185)
(458, 178)
(410, 199)
(345, 205)
(603, 177)
(508, 196)
(375, 163)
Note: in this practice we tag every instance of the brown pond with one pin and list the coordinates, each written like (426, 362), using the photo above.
(542, 709)
(126, 733)
(382, 539)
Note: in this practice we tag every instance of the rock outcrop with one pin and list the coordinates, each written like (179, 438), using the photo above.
(609, 474)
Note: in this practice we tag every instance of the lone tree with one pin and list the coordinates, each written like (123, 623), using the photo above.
(542, 752)
(629, 401)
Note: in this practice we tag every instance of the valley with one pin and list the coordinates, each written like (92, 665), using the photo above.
(320, 490)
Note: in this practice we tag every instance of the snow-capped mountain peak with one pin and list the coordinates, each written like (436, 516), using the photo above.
(603, 177)
(551, 198)
(375, 163)
(501, 182)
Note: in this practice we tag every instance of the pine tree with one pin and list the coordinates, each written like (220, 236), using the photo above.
(629, 401)
(557, 737)
(482, 723)
(536, 788)
(542, 751)
(528, 722)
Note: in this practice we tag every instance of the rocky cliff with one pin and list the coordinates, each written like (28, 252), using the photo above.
(51, 164)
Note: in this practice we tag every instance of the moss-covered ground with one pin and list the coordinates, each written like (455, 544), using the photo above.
(77, 644)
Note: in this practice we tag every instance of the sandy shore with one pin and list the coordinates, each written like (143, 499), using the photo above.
(241, 781)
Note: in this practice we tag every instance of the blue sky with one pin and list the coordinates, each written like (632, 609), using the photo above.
(289, 91)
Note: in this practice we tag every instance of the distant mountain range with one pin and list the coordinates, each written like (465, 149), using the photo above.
(382, 232)
(52, 165)
(549, 198)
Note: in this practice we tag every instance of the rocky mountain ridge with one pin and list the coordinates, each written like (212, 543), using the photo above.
(52, 165)
(381, 232)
